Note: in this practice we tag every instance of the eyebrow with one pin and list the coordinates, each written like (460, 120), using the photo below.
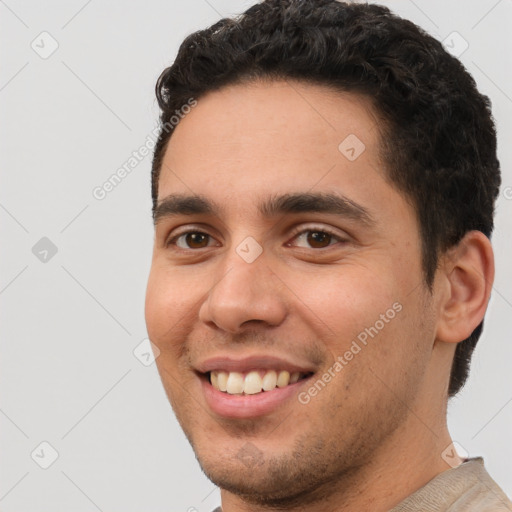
(179, 204)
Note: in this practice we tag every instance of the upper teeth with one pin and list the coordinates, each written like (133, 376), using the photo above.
(253, 382)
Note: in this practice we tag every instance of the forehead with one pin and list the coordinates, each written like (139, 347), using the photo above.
(250, 141)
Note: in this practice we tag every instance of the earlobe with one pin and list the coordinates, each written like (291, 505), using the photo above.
(468, 273)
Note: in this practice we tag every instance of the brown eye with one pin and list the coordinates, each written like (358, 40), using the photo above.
(319, 239)
(316, 239)
(191, 240)
(196, 240)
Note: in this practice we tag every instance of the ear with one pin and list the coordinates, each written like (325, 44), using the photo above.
(467, 275)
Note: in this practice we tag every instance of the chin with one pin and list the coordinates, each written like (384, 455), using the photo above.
(253, 484)
(297, 476)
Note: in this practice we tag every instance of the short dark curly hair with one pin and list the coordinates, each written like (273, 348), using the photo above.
(438, 138)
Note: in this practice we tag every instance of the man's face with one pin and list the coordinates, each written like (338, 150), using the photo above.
(331, 292)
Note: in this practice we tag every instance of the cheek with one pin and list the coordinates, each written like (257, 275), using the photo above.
(155, 306)
(165, 306)
(168, 325)
(346, 301)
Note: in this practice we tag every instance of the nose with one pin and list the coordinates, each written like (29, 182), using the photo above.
(244, 293)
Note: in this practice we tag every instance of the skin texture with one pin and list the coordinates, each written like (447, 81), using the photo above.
(375, 433)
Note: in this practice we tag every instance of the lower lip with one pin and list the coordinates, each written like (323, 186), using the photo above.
(248, 406)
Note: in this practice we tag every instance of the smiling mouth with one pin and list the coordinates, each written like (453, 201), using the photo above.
(253, 382)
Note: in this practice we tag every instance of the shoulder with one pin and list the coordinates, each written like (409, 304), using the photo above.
(484, 495)
(466, 488)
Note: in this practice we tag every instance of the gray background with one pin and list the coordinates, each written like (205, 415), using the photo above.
(71, 320)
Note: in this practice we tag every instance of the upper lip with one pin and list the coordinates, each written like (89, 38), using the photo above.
(232, 364)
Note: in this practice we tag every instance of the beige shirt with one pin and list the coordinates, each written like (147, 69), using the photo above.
(466, 488)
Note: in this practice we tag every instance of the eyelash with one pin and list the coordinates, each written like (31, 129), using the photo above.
(294, 234)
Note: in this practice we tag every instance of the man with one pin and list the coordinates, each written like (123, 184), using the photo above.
(323, 190)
